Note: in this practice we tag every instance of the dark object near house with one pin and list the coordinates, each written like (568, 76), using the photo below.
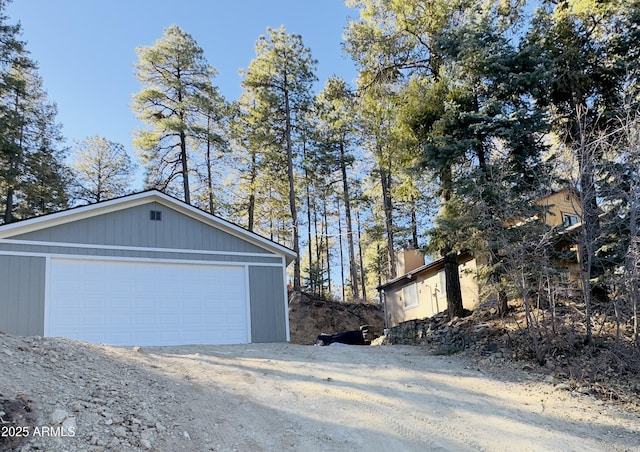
(347, 337)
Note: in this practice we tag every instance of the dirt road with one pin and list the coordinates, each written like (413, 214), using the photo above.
(293, 397)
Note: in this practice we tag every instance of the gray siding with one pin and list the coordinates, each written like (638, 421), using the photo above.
(132, 227)
(268, 309)
(23, 276)
(22, 290)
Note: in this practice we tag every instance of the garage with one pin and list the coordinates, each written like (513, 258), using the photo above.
(144, 269)
(142, 303)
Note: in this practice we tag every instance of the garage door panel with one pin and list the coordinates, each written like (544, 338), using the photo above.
(142, 303)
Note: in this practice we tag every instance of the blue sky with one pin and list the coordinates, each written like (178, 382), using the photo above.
(86, 48)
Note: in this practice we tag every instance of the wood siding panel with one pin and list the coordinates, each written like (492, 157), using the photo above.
(22, 281)
(562, 202)
(268, 316)
(133, 227)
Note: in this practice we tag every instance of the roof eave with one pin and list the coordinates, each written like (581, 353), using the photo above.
(136, 199)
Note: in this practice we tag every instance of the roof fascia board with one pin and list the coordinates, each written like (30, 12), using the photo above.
(437, 264)
(91, 210)
(74, 214)
(415, 272)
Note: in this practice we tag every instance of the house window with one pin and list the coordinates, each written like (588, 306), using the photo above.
(441, 287)
(569, 220)
(155, 215)
(410, 296)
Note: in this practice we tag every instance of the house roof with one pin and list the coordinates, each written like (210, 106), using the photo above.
(434, 265)
(567, 190)
(137, 199)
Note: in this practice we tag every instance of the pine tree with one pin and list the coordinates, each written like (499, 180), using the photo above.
(210, 137)
(590, 52)
(465, 92)
(336, 136)
(175, 77)
(11, 57)
(102, 169)
(33, 177)
(280, 79)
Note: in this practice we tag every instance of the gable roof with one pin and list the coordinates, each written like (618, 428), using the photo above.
(566, 190)
(137, 199)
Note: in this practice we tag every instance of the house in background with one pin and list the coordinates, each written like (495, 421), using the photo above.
(562, 208)
(563, 211)
(144, 269)
(420, 290)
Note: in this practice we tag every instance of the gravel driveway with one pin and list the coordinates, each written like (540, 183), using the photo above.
(294, 397)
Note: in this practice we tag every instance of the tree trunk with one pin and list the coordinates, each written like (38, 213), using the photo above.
(292, 192)
(340, 248)
(414, 226)
(451, 271)
(353, 270)
(590, 220)
(362, 273)
(307, 185)
(8, 216)
(326, 244)
(385, 182)
(185, 167)
(251, 208)
(452, 277)
(183, 153)
(209, 173)
(318, 237)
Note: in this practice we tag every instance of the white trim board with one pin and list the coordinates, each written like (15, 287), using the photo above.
(138, 259)
(134, 248)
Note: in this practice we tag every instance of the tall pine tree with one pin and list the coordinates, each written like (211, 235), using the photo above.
(280, 79)
(175, 77)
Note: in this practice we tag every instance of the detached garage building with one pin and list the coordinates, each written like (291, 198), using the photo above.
(144, 269)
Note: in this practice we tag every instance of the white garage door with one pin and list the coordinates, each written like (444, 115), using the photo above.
(141, 303)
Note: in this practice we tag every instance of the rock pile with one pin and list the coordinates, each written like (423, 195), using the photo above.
(451, 336)
(78, 406)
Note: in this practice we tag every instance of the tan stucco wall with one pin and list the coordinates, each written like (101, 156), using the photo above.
(430, 297)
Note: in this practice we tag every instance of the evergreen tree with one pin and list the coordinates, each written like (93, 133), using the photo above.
(210, 137)
(33, 176)
(260, 190)
(280, 79)
(590, 51)
(336, 135)
(46, 180)
(102, 169)
(465, 91)
(175, 77)
(11, 56)
(392, 41)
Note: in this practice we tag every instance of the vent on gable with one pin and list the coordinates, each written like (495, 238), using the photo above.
(155, 215)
